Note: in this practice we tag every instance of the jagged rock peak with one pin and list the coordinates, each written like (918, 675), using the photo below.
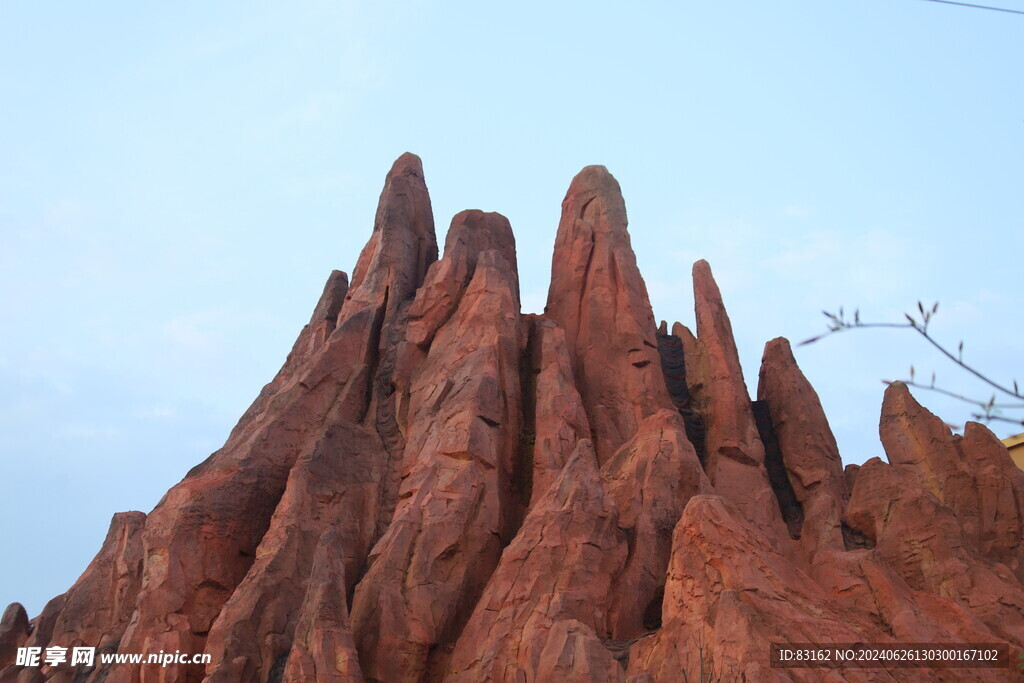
(407, 164)
(403, 243)
(14, 631)
(812, 469)
(973, 475)
(329, 305)
(735, 457)
(595, 196)
(569, 496)
(473, 231)
(599, 298)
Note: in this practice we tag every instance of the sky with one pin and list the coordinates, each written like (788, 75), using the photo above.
(179, 179)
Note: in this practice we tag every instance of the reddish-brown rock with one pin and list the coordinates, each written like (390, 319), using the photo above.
(600, 300)
(553, 413)
(201, 539)
(729, 594)
(394, 262)
(42, 629)
(457, 501)
(650, 478)
(807, 448)
(569, 496)
(471, 232)
(972, 474)
(924, 543)
(735, 459)
(323, 648)
(97, 608)
(908, 511)
(14, 631)
(330, 507)
(542, 616)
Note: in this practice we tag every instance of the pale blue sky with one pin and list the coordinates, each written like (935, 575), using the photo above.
(179, 179)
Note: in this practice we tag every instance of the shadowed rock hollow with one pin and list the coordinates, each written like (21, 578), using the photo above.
(438, 487)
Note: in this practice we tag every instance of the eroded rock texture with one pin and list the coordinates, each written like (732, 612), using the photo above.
(436, 486)
(14, 632)
(600, 300)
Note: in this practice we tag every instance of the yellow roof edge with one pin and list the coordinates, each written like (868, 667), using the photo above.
(1012, 441)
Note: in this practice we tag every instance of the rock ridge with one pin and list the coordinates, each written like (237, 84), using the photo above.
(438, 487)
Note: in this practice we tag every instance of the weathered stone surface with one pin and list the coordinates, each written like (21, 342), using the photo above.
(334, 487)
(201, 539)
(728, 595)
(471, 232)
(973, 475)
(42, 629)
(992, 512)
(863, 584)
(323, 648)
(97, 608)
(922, 539)
(735, 454)
(542, 616)
(807, 448)
(569, 496)
(650, 478)
(457, 501)
(553, 413)
(600, 300)
(14, 631)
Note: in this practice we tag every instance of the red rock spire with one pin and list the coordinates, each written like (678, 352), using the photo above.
(599, 299)
(202, 539)
(735, 459)
(507, 497)
(808, 448)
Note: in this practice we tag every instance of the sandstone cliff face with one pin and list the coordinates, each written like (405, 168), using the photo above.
(437, 487)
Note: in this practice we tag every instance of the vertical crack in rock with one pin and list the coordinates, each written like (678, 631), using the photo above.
(540, 617)
(559, 418)
(735, 453)
(673, 366)
(802, 453)
(791, 509)
(529, 369)
(385, 413)
(430, 566)
(650, 478)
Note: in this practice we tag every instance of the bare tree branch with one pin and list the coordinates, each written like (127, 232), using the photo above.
(919, 322)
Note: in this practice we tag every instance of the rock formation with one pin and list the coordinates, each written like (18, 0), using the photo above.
(438, 487)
